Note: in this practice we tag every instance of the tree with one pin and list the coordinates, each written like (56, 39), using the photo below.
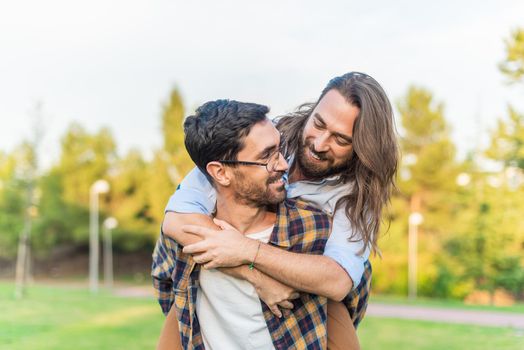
(507, 140)
(426, 184)
(130, 203)
(513, 65)
(84, 159)
(173, 134)
(12, 198)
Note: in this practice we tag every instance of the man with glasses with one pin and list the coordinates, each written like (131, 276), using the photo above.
(238, 150)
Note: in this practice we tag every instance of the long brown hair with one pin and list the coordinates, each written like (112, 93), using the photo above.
(374, 159)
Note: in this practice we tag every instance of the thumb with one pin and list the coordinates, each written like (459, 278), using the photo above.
(223, 224)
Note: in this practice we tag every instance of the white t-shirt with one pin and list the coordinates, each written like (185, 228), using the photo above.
(229, 310)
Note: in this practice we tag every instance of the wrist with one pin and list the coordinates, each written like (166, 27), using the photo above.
(252, 276)
(250, 251)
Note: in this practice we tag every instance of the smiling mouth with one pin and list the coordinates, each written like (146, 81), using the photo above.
(315, 156)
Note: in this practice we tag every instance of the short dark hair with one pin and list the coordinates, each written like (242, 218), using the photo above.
(217, 130)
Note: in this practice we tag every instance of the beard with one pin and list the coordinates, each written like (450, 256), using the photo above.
(313, 170)
(257, 194)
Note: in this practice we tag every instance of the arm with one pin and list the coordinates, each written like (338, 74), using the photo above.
(272, 292)
(192, 203)
(315, 274)
(173, 223)
(310, 273)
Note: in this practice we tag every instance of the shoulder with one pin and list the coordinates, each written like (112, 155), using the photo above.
(307, 217)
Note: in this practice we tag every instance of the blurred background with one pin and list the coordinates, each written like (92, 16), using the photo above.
(93, 95)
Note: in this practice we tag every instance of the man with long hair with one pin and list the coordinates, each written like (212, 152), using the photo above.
(343, 154)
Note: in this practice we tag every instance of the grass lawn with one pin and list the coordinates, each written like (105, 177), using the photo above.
(58, 317)
(382, 333)
(52, 317)
(455, 304)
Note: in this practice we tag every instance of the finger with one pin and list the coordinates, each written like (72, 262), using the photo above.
(275, 310)
(197, 230)
(201, 258)
(286, 304)
(210, 265)
(196, 248)
(223, 224)
(294, 295)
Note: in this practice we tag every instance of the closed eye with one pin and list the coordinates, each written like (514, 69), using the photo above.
(342, 141)
(318, 125)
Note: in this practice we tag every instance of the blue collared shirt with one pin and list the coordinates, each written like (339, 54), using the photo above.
(196, 195)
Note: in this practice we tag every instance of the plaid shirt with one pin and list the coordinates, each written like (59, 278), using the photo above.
(298, 228)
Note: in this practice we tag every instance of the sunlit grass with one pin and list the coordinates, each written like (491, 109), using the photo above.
(455, 304)
(71, 318)
(61, 317)
(382, 333)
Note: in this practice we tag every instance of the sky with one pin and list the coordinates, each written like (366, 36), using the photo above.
(114, 63)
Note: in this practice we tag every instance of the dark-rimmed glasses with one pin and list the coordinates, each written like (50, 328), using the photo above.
(271, 164)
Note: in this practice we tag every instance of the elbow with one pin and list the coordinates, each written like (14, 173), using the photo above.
(168, 229)
(340, 286)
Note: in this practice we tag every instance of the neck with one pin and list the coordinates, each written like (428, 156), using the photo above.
(244, 218)
(295, 173)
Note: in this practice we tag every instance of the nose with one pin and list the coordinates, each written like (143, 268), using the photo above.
(321, 142)
(282, 163)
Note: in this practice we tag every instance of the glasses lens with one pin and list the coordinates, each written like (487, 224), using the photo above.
(273, 161)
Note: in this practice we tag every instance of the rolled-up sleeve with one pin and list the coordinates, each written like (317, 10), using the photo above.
(194, 195)
(345, 252)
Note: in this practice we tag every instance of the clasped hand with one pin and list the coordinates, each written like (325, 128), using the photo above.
(220, 248)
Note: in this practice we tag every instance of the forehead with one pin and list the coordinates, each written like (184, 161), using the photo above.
(261, 136)
(338, 114)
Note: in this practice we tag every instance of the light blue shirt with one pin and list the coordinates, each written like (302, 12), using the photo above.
(196, 195)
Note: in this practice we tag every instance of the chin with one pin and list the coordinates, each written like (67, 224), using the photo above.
(277, 197)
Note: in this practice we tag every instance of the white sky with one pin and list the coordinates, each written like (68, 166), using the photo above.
(113, 63)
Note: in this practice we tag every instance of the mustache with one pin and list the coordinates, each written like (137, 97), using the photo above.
(320, 155)
(276, 177)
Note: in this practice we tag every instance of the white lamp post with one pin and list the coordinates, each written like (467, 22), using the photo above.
(109, 224)
(100, 186)
(415, 219)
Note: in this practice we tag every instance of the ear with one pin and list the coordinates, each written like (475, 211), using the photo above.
(219, 173)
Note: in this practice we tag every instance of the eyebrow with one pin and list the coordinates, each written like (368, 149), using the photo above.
(345, 137)
(269, 150)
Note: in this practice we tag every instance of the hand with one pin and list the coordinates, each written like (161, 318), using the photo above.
(220, 248)
(274, 294)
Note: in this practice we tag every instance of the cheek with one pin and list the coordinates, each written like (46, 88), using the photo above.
(342, 153)
(309, 131)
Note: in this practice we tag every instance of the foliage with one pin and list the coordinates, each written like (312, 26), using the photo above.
(139, 188)
(513, 65)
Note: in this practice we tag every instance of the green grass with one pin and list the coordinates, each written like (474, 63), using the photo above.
(70, 318)
(60, 317)
(439, 303)
(381, 333)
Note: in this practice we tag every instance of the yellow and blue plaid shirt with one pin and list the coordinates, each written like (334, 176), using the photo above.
(298, 228)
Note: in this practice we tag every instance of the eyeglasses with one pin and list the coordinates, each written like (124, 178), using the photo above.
(271, 164)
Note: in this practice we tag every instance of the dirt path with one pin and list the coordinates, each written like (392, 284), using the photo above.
(481, 318)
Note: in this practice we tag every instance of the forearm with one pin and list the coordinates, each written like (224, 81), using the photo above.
(242, 272)
(316, 274)
(173, 222)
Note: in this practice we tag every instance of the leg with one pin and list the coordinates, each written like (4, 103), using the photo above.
(341, 332)
(170, 335)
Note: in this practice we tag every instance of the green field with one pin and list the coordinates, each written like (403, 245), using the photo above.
(58, 317)
(452, 304)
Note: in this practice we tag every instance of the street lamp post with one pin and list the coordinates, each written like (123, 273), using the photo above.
(100, 186)
(415, 219)
(109, 224)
